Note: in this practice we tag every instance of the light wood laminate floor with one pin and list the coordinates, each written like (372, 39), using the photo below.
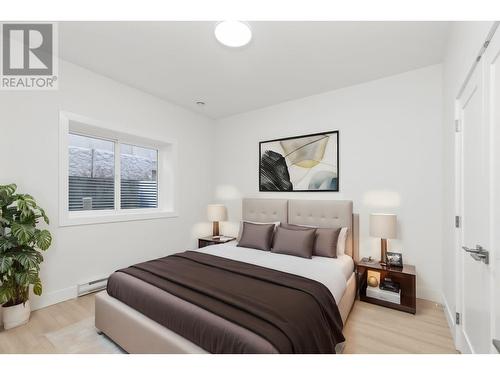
(68, 328)
(375, 329)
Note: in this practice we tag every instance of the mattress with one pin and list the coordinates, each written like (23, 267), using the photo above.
(331, 272)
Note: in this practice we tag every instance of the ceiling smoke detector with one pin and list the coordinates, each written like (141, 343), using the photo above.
(233, 33)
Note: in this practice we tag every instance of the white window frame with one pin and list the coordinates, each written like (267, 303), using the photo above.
(167, 172)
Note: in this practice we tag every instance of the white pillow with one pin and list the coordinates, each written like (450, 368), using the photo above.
(276, 224)
(341, 242)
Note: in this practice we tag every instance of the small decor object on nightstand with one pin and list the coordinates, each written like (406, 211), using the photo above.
(372, 281)
(383, 226)
(368, 260)
(216, 213)
(394, 259)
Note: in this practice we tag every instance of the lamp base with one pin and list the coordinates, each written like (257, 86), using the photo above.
(215, 229)
(383, 252)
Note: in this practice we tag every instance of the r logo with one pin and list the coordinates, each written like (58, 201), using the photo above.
(27, 49)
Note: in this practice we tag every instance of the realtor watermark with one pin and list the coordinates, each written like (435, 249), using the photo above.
(28, 56)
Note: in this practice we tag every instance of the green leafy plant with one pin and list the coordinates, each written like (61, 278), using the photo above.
(21, 243)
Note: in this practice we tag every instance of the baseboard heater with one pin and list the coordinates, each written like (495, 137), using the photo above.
(91, 287)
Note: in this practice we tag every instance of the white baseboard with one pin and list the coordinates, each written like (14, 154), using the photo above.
(430, 295)
(466, 344)
(450, 317)
(51, 298)
(460, 339)
(47, 299)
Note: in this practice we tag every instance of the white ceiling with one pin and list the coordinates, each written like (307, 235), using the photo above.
(183, 63)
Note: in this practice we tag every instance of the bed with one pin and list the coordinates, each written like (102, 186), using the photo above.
(137, 333)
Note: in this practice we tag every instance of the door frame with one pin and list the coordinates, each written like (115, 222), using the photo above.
(492, 96)
(462, 342)
(482, 63)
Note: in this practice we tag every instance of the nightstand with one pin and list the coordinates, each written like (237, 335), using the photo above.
(406, 277)
(210, 240)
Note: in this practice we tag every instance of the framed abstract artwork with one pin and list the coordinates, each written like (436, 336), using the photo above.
(303, 163)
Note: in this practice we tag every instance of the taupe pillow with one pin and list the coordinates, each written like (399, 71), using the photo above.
(240, 230)
(294, 242)
(325, 242)
(257, 236)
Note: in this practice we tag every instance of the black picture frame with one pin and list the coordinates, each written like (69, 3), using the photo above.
(337, 189)
(394, 259)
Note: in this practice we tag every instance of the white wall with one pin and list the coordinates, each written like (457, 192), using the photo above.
(464, 43)
(29, 157)
(390, 159)
(395, 157)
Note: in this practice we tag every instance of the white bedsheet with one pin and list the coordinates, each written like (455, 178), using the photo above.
(332, 273)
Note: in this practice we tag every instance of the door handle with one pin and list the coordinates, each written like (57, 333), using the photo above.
(479, 253)
(496, 344)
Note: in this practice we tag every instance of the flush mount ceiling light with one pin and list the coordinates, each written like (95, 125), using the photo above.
(233, 33)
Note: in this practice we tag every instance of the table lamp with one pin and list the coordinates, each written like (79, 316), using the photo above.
(216, 213)
(383, 226)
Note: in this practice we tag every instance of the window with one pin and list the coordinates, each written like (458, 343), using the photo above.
(112, 176)
(91, 173)
(138, 178)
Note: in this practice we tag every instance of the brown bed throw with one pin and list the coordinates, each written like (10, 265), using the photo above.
(293, 313)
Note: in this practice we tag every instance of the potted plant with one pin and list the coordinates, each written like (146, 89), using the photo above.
(21, 243)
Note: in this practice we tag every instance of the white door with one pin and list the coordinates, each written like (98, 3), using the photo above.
(492, 84)
(473, 183)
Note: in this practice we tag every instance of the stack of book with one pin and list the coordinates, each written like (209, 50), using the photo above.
(387, 291)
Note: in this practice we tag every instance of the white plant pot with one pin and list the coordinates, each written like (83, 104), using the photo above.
(17, 315)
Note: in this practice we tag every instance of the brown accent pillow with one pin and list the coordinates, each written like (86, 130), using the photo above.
(325, 243)
(257, 236)
(294, 242)
(240, 230)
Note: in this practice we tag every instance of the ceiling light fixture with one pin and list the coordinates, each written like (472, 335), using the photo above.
(233, 33)
(200, 103)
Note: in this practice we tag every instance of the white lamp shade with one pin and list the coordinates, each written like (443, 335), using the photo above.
(216, 212)
(383, 225)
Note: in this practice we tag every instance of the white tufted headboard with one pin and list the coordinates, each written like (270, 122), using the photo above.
(265, 210)
(319, 213)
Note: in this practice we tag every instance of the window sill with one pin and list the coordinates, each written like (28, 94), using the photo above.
(101, 217)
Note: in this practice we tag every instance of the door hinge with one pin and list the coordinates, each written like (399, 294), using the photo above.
(458, 128)
(457, 318)
(457, 221)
